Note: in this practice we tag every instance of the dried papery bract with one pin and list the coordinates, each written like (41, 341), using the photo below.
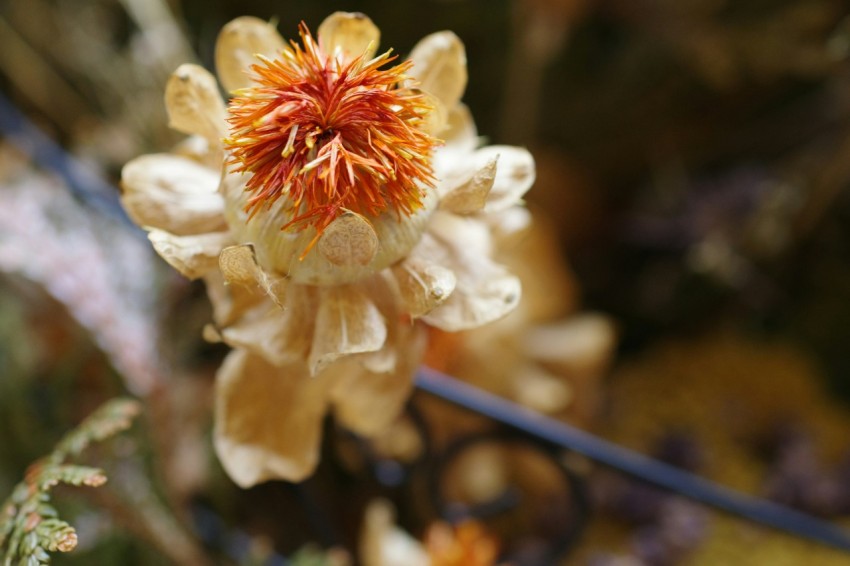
(350, 239)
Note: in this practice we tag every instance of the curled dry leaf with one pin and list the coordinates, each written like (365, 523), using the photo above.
(239, 264)
(485, 292)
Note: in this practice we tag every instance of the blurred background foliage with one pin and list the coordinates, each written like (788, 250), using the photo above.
(693, 160)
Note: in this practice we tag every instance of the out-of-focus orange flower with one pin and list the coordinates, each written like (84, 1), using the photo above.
(466, 544)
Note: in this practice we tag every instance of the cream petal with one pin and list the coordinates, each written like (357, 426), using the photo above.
(349, 240)
(508, 223)
(230, 302)
(460, 139)
(535, 256)
(211, 334)
(380, 361)
(368, 402)
(449, 231)
(237, 47)
(470, 194)
(172, 193)
(383, 292)
(382, 543)
(437, 119)
(538, 389)
(201, 150)
(349, 34)
(580, 344)
(347, 322)
(481, 473)
(193, 256)
(268, 422)
(280, 336)
(485, 291)
(460, 133)
(239, 266)
(194, 104)
(514, 177)
(439, 67)
(422, 284)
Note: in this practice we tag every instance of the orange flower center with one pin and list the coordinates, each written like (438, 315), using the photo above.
(331, 136)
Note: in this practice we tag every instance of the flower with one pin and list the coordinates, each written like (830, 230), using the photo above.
(334, 209)
(383, 543)
(465, 544)
(331, 135)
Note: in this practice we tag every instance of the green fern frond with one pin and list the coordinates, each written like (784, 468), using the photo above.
(30, 527)
(111, 418)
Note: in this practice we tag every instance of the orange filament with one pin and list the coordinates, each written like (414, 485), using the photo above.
(330, 136)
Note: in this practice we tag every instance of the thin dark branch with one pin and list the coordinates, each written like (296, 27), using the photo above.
(629, 462)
